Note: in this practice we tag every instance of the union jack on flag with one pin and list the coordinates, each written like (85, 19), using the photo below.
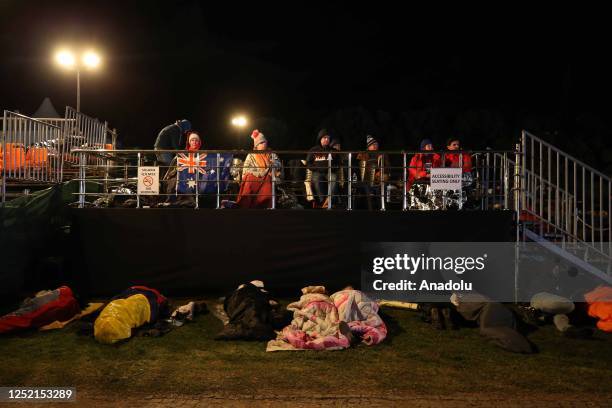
(190, 163)
(206, 168)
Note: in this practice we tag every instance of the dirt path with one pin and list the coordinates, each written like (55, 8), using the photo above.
(94, 399)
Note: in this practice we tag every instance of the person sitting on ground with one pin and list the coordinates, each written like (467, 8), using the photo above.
(257, 173)
(318, 164)
(171, 138)
(420, 166)
(373, 171)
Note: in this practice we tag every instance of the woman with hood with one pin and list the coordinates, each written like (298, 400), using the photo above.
(421, 164)
(256, 185)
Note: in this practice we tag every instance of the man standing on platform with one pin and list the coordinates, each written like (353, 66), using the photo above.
(171, 138)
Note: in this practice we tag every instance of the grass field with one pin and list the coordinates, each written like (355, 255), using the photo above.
(415, 359)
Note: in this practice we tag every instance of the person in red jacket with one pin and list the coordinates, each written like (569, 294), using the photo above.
(455, 159)
(421, 163)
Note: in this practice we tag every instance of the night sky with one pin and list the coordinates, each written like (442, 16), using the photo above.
(296, 66)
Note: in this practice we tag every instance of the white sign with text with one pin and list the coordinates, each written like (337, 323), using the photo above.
(148, 180)
(446, 178)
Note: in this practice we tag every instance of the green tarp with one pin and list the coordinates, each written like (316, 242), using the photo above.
(33, 231)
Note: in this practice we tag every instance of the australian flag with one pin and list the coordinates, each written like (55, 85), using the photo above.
(202, 170)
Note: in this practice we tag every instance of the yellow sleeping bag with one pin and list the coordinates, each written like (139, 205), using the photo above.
(119, 317)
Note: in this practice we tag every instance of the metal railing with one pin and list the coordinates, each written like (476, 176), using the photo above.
(29, 150)
(490, 185)
(35, 150)
(563, 199)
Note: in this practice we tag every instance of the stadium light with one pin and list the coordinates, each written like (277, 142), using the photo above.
(66, 59)
(239, 121)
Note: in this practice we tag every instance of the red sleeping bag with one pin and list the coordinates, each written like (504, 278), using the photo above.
(44, 308)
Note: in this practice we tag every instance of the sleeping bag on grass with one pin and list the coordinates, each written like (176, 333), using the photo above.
(361, 315)
(252, 314)
(600, 307)
(315, 325)
(133, 308)
(45, 307)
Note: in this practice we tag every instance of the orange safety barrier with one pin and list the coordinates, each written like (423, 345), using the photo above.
(37, 157)
(14, 157)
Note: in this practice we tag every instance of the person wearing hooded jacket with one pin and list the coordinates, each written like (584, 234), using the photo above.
(171, 138)
(421, 163)
(317, 162)
(373, 170)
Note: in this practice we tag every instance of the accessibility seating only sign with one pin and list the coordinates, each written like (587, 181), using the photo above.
(148, 180)
(446, 178)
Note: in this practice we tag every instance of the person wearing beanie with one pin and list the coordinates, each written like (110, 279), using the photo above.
(256, 185)
(371, 143)
(373, 171)
(193, 141)
(317, 162)
(171, 138)
(420, 165)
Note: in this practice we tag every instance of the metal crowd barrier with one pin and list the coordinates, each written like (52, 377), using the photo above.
(491, 184)
(34, 150)
(28, 150)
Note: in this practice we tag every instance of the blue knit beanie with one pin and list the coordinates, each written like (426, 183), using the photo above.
(424, 143)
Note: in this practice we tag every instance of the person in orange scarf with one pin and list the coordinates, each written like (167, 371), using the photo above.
(256, 186)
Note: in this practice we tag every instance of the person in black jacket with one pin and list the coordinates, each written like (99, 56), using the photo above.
(171, 138)
(318, 164)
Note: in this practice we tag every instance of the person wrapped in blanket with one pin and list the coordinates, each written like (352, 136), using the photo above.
(419, 172)
(131, 309)
(257, 172)
(322, 322)
(457, 199)
(169, 183)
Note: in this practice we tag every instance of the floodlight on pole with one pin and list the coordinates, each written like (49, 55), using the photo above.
(66, 59)
(239, 121)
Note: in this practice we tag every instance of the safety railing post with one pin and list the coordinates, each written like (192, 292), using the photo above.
(4, 155)
(273, 180)
(137, 171)
(350, 182)
(197, 181)
(218, 181)
(329, 183)
(404, 182)
(82, 174)
(382, 183)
